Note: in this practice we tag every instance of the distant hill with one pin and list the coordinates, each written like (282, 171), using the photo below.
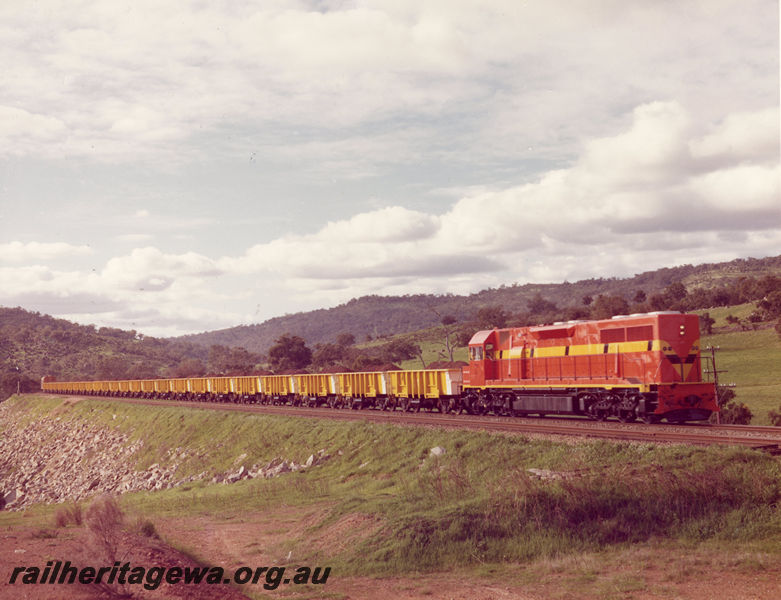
(379, 316)
(33, 345)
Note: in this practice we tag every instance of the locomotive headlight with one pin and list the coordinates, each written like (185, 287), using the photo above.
(683, 330)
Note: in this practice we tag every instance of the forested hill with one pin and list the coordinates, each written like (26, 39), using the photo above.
(33, 345)
(379, 316)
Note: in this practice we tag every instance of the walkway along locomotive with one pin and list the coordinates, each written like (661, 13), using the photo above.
(644, 366)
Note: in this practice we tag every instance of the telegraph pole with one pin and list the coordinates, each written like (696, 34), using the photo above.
(715, 372)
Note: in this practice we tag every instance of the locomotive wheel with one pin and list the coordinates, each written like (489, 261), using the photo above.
(626, 415)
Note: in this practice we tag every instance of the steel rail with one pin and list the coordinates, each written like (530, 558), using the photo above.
(703, 435)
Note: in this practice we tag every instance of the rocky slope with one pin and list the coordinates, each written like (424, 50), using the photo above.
(53, 459)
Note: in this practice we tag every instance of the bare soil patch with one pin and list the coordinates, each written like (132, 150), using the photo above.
(646, 572)
(34, 547)
(281, 537)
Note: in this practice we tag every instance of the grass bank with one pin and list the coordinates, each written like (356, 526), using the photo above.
(749, 359)
(476, 504)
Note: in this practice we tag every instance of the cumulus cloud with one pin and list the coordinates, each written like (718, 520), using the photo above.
(623, 195)
(159, 293)
(149, 268)
(742, 136)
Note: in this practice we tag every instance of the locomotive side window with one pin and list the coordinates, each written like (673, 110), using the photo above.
(609, 336)
(639, 334)
(475, 353)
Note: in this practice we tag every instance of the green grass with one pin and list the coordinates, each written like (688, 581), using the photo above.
(749, 359)
(475, 505)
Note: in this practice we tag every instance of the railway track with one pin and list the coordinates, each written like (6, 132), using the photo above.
(767, 439)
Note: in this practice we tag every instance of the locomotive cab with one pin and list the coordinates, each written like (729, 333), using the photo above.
(482, 356)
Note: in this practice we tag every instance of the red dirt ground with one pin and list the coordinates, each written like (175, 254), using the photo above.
(275, 538)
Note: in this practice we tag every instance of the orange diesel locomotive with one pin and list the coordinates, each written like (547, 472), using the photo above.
(644, 366)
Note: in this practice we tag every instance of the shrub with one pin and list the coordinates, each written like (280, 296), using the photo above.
(775, 417)
(68, 515)
(147, 529)
(736, 413)
(105, 521)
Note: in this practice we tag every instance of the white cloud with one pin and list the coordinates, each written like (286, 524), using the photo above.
(742, 189)
(742, 136)
(32, 252)
(110, 81)
(149, 268)
(23, 132)
(624, 194)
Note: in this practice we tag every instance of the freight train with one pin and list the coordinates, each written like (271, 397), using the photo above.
(644, 366)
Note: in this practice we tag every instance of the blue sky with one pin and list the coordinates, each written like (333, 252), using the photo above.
(186, 166)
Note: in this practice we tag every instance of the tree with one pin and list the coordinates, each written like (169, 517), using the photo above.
(706, 324)
(345, 339)
(450, 344)
(233, 361)
(675, 291)
(112, 367)
(606, 306)
(289, 352)
(189, 367)
(639, 297)
(587, 300)
(771, 304)
(328, 355)
(489, 317)
(659, 302)
(539, 305)
(399, 349)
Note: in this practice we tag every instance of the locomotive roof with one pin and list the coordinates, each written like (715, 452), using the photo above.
(481, 336)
